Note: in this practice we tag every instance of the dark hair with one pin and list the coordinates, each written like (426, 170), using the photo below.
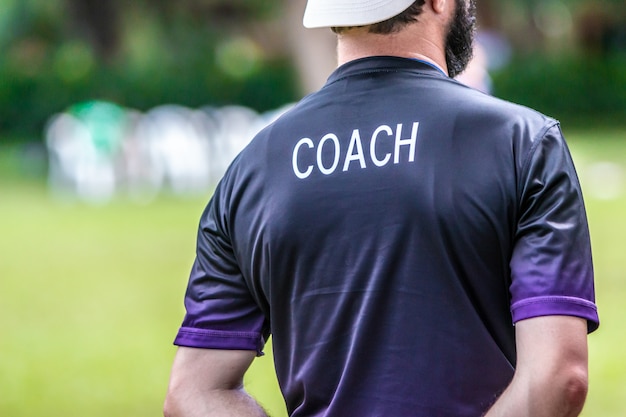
(393, 24)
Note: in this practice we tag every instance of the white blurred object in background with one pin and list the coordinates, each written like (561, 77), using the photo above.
(98, 150)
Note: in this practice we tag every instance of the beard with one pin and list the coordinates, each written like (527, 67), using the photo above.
(460, 38)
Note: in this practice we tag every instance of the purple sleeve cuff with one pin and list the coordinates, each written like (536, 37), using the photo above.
(219, 339)
(556, 306)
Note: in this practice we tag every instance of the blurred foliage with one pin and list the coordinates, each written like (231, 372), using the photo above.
(576, 89)
(141, 54)
(191, 53)
(28, 100)
(569, 58)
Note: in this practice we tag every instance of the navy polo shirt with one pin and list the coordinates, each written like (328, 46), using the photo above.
(388, 232)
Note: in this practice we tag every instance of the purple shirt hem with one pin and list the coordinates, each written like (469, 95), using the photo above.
(556, 306)
(219, 339)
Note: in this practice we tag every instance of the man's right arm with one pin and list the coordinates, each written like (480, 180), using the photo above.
(551, 375)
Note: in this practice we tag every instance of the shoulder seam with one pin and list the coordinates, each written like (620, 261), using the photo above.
(537, 140)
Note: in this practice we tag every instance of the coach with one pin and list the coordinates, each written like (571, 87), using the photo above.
(413, 246)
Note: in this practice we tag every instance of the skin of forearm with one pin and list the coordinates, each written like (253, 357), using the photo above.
(561, 398)
(551, 375)
(219, 403)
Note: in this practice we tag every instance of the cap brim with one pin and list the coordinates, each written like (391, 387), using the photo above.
(342, 13)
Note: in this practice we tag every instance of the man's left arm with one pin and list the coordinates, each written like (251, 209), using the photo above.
(209, 383)
(551, 375)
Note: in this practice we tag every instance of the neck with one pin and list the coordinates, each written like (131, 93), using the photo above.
(424, 40)
(349, 50)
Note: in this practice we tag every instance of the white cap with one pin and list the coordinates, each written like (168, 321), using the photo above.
(342, 13)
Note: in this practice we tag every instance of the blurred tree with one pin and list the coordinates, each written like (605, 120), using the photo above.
(312, 50)
(99, 22)
(601, 27)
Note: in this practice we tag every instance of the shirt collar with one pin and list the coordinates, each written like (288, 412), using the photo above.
(385, 64)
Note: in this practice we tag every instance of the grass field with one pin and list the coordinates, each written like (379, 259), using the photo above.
(91, 297)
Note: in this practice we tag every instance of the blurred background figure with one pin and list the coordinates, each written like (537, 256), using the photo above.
(98, 150)
(84, 145)
(476, 75)
(175, 152)
(492, 52)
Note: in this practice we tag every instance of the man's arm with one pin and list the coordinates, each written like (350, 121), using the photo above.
(551, 375)
(207, 383)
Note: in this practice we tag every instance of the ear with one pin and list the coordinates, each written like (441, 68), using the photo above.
(439, 6)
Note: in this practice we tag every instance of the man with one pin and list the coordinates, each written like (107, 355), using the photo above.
(413, 246)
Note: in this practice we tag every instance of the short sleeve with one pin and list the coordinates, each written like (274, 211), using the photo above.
(551, 264)
(220, 311)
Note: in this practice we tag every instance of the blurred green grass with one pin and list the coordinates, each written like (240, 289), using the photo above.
(91, 297)
(595, 150)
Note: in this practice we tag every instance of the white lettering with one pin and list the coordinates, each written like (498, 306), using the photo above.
(320, 147)
(375, 160)
(294, 161)
(403, 142)
(356, 140)
(328, 164)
